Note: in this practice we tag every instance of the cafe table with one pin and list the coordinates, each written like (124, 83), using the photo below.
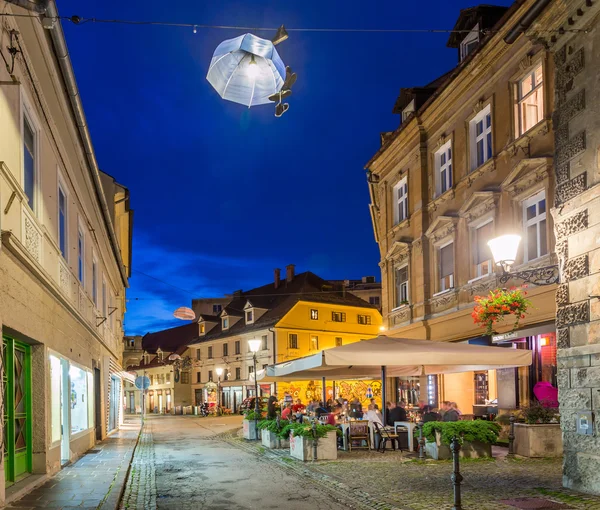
(411, 427)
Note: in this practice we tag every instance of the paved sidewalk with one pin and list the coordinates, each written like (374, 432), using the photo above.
(95, 481)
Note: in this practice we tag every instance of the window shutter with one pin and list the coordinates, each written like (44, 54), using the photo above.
(447, 260)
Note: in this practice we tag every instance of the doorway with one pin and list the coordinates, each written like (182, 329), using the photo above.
(17, 409)
(132, 402)
(65, 399)
(113, 413)
(97, 404)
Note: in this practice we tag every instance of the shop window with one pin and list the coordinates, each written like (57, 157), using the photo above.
(481, 388)
(534, 224)
(78, 400)
(529, 100)
(55, 395)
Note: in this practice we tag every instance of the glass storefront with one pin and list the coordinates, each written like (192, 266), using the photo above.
(79, 407)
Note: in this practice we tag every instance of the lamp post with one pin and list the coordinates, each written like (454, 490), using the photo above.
(504, 250)
(254, 345)
(219, 372)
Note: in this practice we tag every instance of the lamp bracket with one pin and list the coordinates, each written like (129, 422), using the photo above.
(546, 275)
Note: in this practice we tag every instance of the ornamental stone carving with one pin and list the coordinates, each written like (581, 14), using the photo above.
(566, 73)
(576, 268)
(483, 287)
(568, 150)
(32, 239)
(418, 246)
(562, 251)
(402, 315)
(563, 340)
(569, 109)
(572, 225)
(561, 136)
(562, 173)
(64, 278)
(81, 302)
(573, 314)
(568, 190)
(443, 301)
(560, 57)
(562, 295)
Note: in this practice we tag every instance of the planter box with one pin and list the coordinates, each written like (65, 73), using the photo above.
(544, 440)
(270, 440)
(469, 450)
(249, 429)
(302, 448)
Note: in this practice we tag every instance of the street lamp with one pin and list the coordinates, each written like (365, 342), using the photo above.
(219, 372)
(504, 250)
(254, 345)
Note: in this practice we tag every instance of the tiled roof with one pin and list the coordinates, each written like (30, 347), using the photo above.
(170, 340)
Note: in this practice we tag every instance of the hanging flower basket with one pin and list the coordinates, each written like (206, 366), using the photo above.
(491, 309)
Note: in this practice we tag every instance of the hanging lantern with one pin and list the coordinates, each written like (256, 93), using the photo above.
(184, 313)
(246, 70)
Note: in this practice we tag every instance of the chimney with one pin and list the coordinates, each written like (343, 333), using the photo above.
(237, 294)
(289, 272)
(277, 272)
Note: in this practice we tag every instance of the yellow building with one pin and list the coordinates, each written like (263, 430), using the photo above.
(471, 159)
(294, 317)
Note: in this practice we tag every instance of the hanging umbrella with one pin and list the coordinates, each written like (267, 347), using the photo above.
(184, 313)
(246, 70)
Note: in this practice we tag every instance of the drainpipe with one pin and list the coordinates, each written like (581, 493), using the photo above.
(64, 61)
(526, 21)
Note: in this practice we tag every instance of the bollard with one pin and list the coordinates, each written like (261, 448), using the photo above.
(421, 440)
(315, 440)
(511, 436)
(456, 476)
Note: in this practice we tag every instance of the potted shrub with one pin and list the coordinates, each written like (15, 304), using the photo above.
(248, 424)
(497, 305)
(537, 432)
(302, 437)
(477, 438)
(269, 433)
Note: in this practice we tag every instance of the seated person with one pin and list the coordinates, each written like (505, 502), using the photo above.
(450, 414)
(373, 415)
(396, 413)
(298, 407)
(356, 411)
(321, 410)
(429, 414)
(287, 411)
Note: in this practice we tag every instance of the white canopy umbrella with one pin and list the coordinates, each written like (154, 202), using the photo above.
(399, 356)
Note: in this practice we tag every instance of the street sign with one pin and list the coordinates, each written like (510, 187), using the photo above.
(142, 382)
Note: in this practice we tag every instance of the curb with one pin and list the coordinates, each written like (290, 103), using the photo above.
(112, 499)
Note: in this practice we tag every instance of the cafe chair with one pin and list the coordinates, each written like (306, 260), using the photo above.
(358, 430)
(385, 436)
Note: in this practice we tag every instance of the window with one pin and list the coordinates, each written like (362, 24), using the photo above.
(529, 100)
(78, 400)
(104, 304)
(238, 373)
(62, 221)
(225, 349)
(534, 224)
(95, 281)
(185, 378)
(443, 169)
(293, 341)
(81, 255)
(338, 341)
(210, 352)
(265, 345)
(482, 254)
(265, 366)
(217, 309)
(314, 343)
(469, 43)
(202, 328)
(225, 323)
(314, 314)
(364, 319)
(151, 379)
(480, 137)
(338, 316)
(29, 162)
(250, 370)
(410, 108)
(55, 395)
(374, 300)
(198, 354)
(446, 267)
(249, 316)
(198, 377)
(169, 377)
(401, 297)
(210, 378)
(238, 347)
(400, 201)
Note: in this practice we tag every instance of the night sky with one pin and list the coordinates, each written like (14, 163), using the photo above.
(223, 194)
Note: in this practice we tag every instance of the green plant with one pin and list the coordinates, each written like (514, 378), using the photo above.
(250, 414)
(272, 425)
(477, 430)
(536, 412)
(306, 430)
(499, 303)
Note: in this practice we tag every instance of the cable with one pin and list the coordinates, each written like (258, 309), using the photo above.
(161, 281)
(80, 20)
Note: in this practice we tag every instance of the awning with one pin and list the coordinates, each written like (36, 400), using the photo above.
(540, 329)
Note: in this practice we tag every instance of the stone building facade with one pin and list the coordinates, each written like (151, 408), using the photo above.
(472, 159)
(570, 30)
(64, 261)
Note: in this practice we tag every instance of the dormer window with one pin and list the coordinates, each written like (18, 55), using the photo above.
(159, 354)
(202, 328)
(469, 43)
(410, 108)
(249, 316)
(225, 322)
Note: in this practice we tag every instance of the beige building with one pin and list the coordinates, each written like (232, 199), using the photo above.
(472, 159)
(65, 257)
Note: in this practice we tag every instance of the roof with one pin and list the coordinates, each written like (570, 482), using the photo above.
(278, 302)
(170, 340)
(486, 15)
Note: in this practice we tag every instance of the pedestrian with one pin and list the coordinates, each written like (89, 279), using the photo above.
(272, 407)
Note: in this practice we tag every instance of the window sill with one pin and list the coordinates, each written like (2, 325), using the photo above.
(488, 166)
(399, 226)
(480, 278)
(521, 141)
(81, 433)
(440, 199)
(443, 292)
(401, 307)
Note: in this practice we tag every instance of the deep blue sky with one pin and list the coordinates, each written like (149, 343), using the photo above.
(223, 194)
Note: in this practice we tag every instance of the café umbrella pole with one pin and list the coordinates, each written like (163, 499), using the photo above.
(324, 392)
(383, 391)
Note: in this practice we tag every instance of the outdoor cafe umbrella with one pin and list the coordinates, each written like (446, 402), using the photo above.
(246, 70)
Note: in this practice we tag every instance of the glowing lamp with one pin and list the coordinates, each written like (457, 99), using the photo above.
(504, 249)
(254, 345)
(219, 371)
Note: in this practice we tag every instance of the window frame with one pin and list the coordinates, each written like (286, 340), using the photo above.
(447, 151)
(104, 298)
(363, 319)
(400, 202)
(27, 114)
(474, 138)
(81, 253)
(225, 323)
(264, 342)
(63, 238)
(249, 316)
(225, 349)
(314, 314)
(399, 302)
(372, 300)
(198, 354)
(528, 202)
(472, 36)
(210, 376)
(292, 340)
(314, 342)
(338, 316)
(237, 347)
(238, 373)
(209, 355)
(518, 100)
(477, 273)
(95, 274)
(339, 341)
(441, 288)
